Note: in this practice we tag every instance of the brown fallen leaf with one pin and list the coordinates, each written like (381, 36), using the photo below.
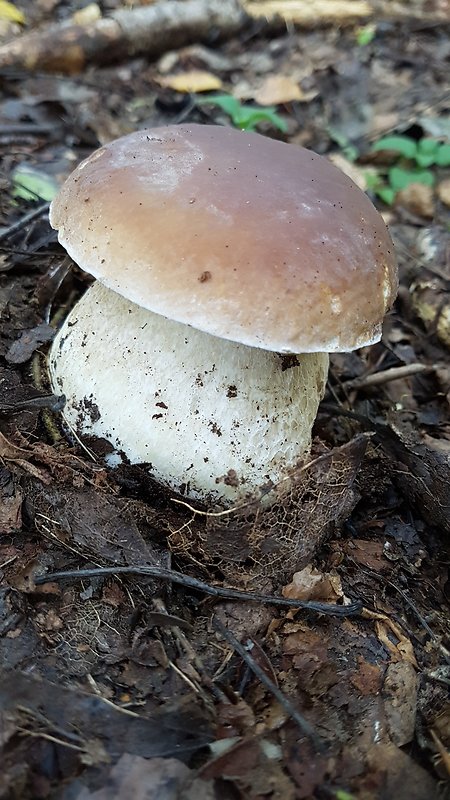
(368, 553)
(310, 584)
(195, 80)
(431, 302)
(279, 89)
(443, 191)
(11, 497)
(94, 523)
(444, 754)
(255, 774)
(418, 199)
(421, 473)
(385, 627)
(400, 689)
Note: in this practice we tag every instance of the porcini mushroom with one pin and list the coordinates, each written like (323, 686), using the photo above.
(228, 266)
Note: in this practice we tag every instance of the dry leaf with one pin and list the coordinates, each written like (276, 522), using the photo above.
(418, 199)
(400, 701)
(87, 15)
(196, 80)
(357, 175)
(278, 89)
(310, 584)
(385, 627)
(443, 191)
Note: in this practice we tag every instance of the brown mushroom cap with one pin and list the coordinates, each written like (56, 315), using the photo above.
(238, 235)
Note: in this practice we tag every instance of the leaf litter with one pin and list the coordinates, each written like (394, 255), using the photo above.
(119, 681)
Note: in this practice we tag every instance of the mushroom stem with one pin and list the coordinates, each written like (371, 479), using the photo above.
(213, 419)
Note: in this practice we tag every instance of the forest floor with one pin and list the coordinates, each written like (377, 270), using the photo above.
(144, 675)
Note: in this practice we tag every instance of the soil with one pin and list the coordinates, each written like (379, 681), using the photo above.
(140, 672)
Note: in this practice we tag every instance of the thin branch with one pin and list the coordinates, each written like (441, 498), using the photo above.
(387, 375)
(51, 401)
(35, 213)
(170, 575)
(302, 723)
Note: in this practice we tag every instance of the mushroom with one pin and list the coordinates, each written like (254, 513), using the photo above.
(228, 266)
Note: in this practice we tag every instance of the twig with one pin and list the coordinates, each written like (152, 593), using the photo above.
(302, 723)
(215, 591)
(51, 401)
(26, 129)
(35, 213)
(125, 33)
(387, 375)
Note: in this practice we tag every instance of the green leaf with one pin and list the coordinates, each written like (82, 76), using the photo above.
(348, 149)
(365, 34)
(427, 146)
(342, 795)
(443, 156)
(29, 184)
(244, 117)
(426, 152)
(249, 118)
(226, 102)
(376, 185)
(386, 194)
(424, 160)
(400, 144)
(401, 178)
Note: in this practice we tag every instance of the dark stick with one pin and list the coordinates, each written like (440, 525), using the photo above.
(215, 591)
(35, 213)
(302, 723)
(51, 401)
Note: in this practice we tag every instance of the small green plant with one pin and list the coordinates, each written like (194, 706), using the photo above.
(244, 117)
(411, 166)
(366, 34)
(348, 150)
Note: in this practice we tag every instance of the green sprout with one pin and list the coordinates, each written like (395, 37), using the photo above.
(348, 150)
(244, 117)
(413, 159)
(365, 34)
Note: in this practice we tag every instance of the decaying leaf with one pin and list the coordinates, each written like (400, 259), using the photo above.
(23, 348)
(311, 584)
(281, 537)
(73, 713)
(96, 524)
(166, 778)
(393, 638)
(400, 701)
(421, 473)
(11, 497)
